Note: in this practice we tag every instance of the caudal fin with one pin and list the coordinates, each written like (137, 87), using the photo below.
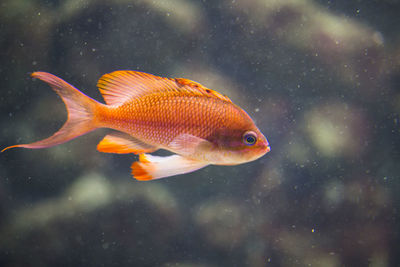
(80, 110)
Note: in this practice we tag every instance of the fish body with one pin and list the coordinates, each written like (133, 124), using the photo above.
(148, 112)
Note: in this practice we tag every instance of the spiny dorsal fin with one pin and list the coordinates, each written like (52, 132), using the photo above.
(201, 88)
(120, 86)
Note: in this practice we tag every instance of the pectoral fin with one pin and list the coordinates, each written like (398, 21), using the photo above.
(154, 167)
(186, 144)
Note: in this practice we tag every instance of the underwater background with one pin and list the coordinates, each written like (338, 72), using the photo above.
(320, 78)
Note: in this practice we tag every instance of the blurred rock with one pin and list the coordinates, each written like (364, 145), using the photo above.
(111, 213)
(336, 129)
(223, 223)
(350, 49)
(268, 182)
(334, 195)
(304, 249)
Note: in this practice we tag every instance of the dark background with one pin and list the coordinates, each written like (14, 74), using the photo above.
(320, 78)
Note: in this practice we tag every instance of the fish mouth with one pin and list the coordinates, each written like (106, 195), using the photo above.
(267, 147)
(263, 149)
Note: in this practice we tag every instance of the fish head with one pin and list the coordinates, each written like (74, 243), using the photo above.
(236, 146)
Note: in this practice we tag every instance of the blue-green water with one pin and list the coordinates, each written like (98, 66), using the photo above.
(320, 78)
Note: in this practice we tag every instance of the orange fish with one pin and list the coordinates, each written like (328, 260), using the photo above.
(199, 125)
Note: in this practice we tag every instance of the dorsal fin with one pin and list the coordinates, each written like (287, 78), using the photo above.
(120, 86)
(201, 88)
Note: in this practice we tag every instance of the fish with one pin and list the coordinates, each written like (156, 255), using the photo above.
(146, 112)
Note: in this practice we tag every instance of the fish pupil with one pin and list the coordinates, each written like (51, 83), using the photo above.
(250, 138)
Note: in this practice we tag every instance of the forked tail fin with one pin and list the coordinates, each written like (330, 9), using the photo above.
(80, 110)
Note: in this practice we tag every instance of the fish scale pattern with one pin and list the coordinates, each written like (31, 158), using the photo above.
(158, 118)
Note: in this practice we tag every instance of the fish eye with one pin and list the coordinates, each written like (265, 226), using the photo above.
(250, 138)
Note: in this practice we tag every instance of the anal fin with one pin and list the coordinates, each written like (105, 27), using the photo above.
(151, 167)
(122, 143)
